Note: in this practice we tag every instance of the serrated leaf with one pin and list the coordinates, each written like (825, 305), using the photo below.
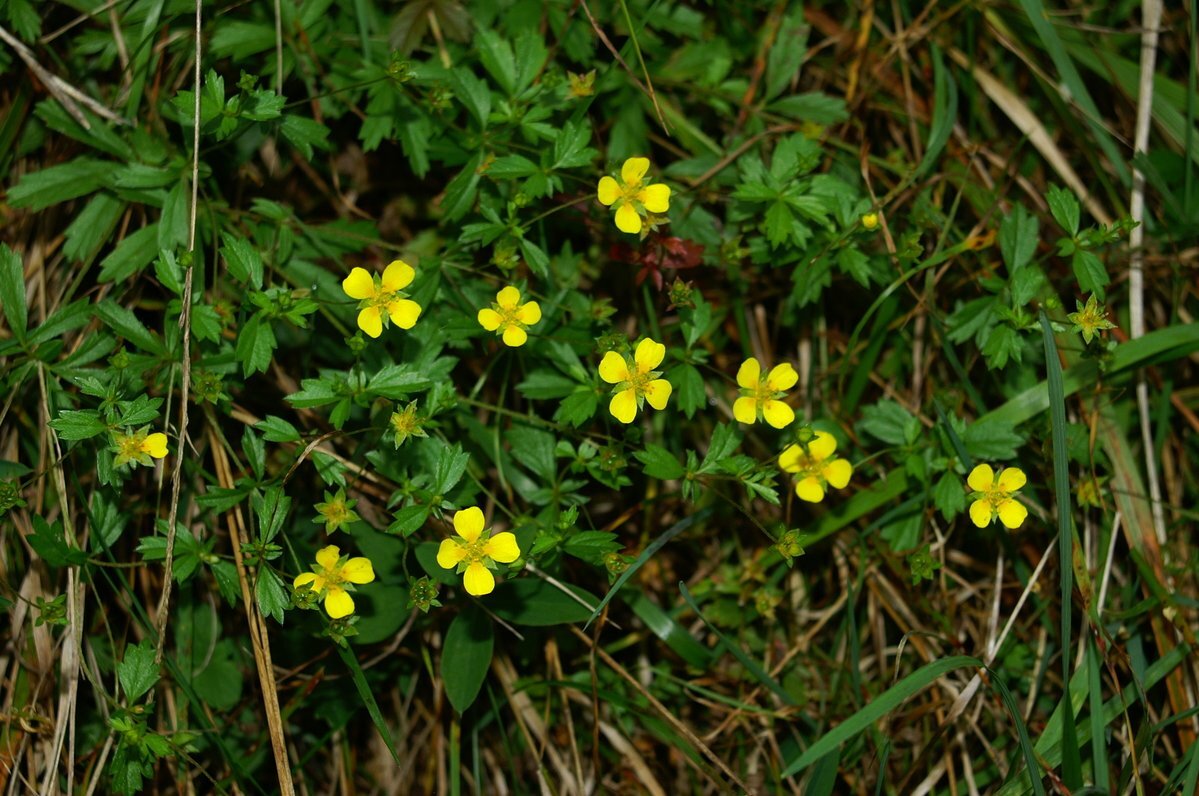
(127, 325)
(1064, 207)
(1090, 272)
(255, 345)
(271, 594)
(137, 671)
(12, 291)
(243, 260)
(39, 189)
(660, 463)
(1018, 237)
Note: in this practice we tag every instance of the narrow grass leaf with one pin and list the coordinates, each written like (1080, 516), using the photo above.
(886, 702)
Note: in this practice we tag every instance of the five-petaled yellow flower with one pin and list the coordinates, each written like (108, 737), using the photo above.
(139, 446)
(635, 379)
(633, 198)
(815, 468)
(334, 575)
(507, 316)
(382, 298)
(761, 397)
(995, 496)
(475, 551)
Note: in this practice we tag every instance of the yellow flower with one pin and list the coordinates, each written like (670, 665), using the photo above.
(635, 380)
(333, 575)
(760, 397)
(507, 316)
(474, 551)
(632, 197)
(379, 299)
(995, 496)
(870, 222)
(139, 446)
(815, 469)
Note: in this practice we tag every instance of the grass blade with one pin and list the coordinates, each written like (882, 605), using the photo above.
(646, 554)
(1071, 760)
(886, 702)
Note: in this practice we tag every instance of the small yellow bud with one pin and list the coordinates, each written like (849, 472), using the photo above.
(870, 222)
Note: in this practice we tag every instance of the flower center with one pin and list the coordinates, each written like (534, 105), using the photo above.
(808, 468)
(333, 577)
(474, 550)
(130, 446)
(995, 496)
(508, 316)
(638, 378)
(763, 393)
(631, 192)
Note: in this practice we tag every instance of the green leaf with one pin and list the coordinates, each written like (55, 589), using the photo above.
(255, 345)
(660, 463)
(50, 544)
(949, 496)
(131, 255)
(76, 424)
(889, 422)
(409, 520)
(495, 53)
(785, 57)
(92, 228)
(880, 706)
(1003, 343)
(272, 596)
(1064, 207)
(173, 225)
(992, 440)
(536, 603)
(945, 111)
(534, 449)
(812, 106)
(1018, 237)
(137, 671)
(40, 189)
(1089, 271)
(689, 384)
(243, 260)
(466, 657)
(304, 134)
(451, 466)
(473, 93)
(128, 326)
(398, 381)
(276, 429)
(512, 166)
(12, 291)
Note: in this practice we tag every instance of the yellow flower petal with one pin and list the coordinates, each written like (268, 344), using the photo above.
(980, 512)
(514, 336)
(358, 570)
(529, 314)
(508, 298)
(450, 553)
(404, 313)
(397, 276)
(777, 413)
(338, 602)
(745, 410)
(1012, 513)
(657, 393)
(478, 580)
(326, 557)
(627, 219)
(469, 523)
(980, 480)
(613, 369)
(489, 319)
(155, 445)
(1011, 479)
(837, 473)
(748, 374)
(609, 191)
(359, 284)
(790, 457)
(649, 355)
(809, 489)
(623, 405)
(370, 320)
(822, 446)
(656, 198)
(782, 377)
(305, 577)
(502, 547)
(633, 170)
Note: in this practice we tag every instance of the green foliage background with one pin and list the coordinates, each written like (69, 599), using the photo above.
(678, 618)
